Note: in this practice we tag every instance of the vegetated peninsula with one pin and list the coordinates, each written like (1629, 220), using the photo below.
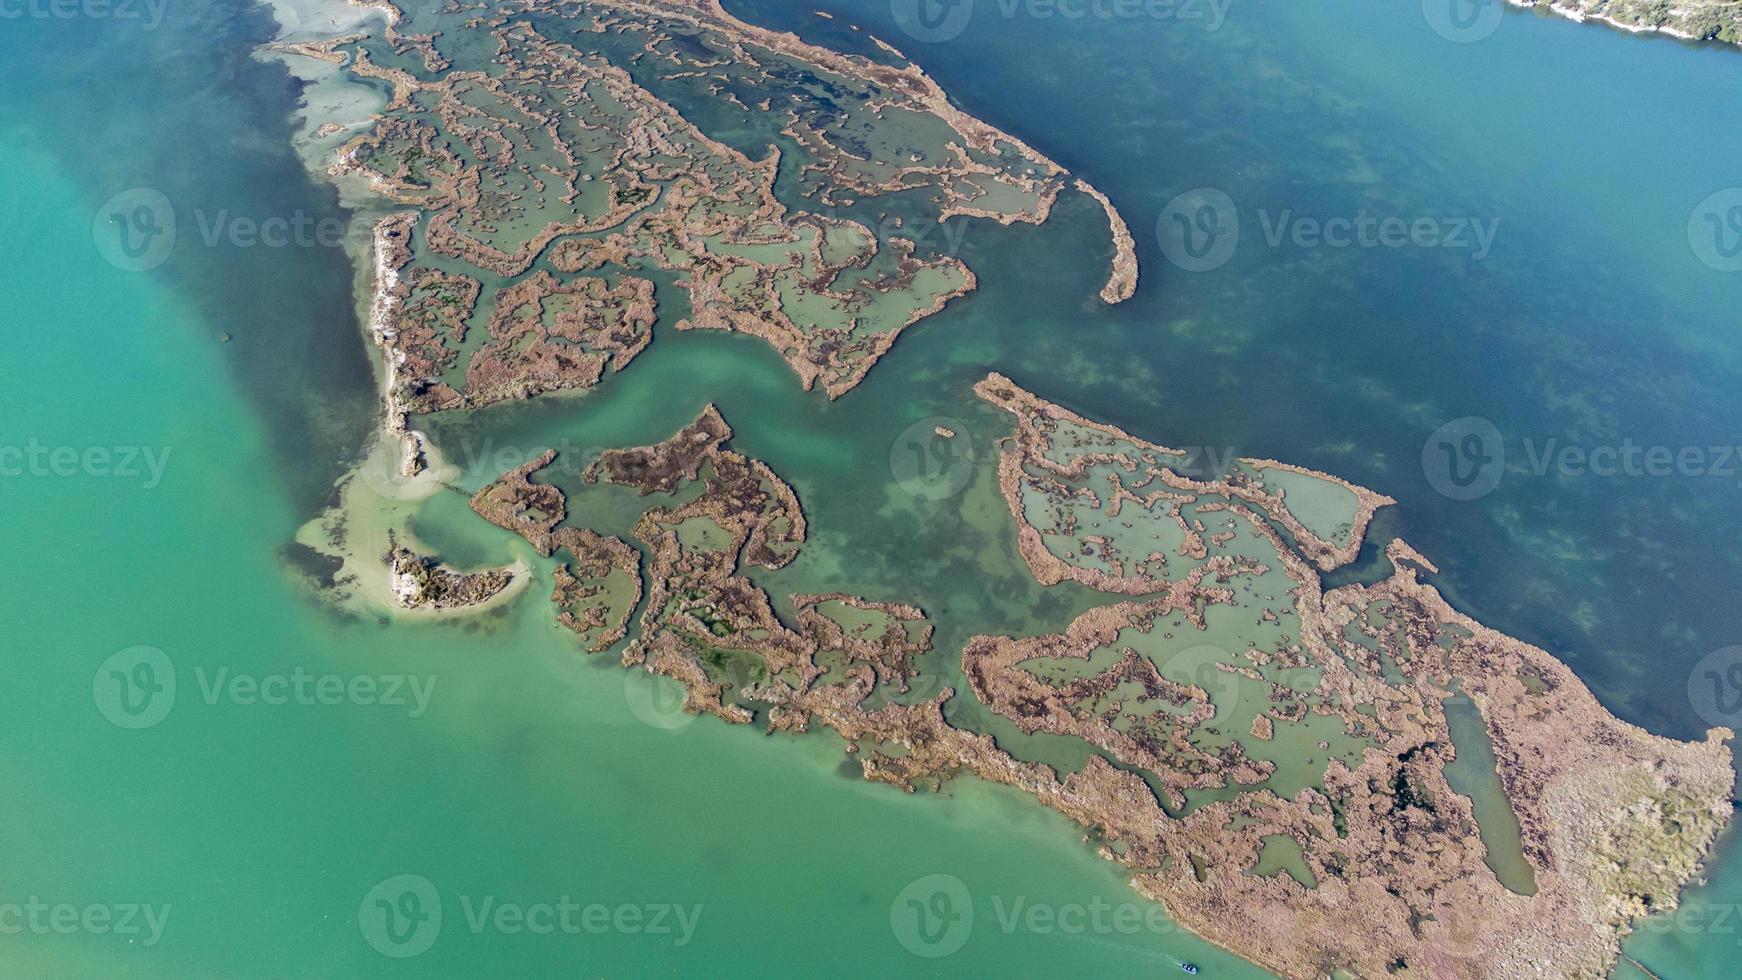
(549, 153)
(1385, 870)
(1693, 20)
(1270, 759)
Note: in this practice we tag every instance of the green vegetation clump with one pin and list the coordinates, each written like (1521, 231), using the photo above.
(1707, 20)
(1651, 844)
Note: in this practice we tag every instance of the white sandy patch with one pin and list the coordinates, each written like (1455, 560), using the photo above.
(373, 514)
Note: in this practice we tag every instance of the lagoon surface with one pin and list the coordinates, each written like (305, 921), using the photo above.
(512, 772)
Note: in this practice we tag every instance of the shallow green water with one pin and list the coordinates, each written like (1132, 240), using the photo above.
(528, 776)
(1473, 775)
(533, 773)
(1282, 855)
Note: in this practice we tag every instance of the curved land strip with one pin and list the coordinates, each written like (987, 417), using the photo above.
(1122, 283)
(1690, 20)
(1064, 456)
(1271, 760)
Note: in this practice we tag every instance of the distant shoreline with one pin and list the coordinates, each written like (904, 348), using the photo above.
(1574, 12)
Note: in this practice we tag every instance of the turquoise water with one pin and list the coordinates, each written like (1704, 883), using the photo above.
(530, 775)
(527, 777)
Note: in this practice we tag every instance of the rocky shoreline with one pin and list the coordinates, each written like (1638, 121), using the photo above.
(1122, 283)
(420, 582)
(1690, 20)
